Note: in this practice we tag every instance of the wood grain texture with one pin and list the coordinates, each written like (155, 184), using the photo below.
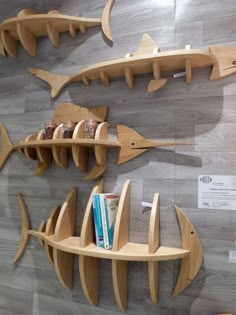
(202, 112)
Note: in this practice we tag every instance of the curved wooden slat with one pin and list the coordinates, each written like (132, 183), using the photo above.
(89, 276)
(82, 28)
(2, 50)
(106, 19)
(41, 229)
(9, 43)
(72, 31)
(153, 245)
(27, 39)
(60, 154)
(120, 282)
(54, 35)
(104, 78)
(63, 264)
(154, 225)
(80, 153)
(65, 225)
(96, 172)
(191, 264)
(25, 227)
(87, 235)
(44, 154)
(50, 229)
(30, 153)
(101, 151)
(25, 12)
(121, 237)
(121, 230)
(153, 280)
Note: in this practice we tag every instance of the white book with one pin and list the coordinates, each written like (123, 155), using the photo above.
(104, 222)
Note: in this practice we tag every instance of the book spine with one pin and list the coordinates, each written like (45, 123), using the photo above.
(111, 206)
(104, 223)
(109, 230)
(99, 221)
(95, 221)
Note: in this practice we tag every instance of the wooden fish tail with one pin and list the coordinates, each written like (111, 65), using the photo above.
(25, 227)
(106, 19)
(56, 81)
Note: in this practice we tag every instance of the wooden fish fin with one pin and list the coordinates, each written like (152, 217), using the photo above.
(106, 19)
(25, 227)
(56, 81)
(40, 168)
(147, 46)
(9, 43)
(191, 264)
(7, 146)
(156, 84)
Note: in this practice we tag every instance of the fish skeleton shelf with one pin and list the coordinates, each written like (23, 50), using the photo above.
(57, 237)
(148, 59)
(27, 26)
(130, 144)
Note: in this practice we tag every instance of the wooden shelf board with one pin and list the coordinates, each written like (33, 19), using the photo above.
(129, 252)
(66, 143)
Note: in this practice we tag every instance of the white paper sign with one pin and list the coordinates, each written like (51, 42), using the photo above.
(232, 256)
(217, 192)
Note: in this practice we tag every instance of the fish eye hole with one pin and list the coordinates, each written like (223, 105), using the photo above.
(192, 232)
(132, 143)
(234, 62)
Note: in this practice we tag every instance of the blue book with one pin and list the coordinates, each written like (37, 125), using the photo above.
(98, 221)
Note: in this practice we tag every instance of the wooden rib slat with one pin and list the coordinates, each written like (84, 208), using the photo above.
(9, 43)
(54, 35)
(120, 282)
(60, 154)
(101, 151)
(27, 38)
(30, 153)
(89, 276)
(44, 154)
(80, 153)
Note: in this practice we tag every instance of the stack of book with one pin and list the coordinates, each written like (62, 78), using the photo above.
(105, 208)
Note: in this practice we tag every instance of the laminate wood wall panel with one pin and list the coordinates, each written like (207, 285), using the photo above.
(203, 112)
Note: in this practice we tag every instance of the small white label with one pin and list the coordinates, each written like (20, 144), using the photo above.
(146, 204)
(217, 192)
(232, 256)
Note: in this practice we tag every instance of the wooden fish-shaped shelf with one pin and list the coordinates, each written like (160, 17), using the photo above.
(56, 235)
(28, 25)
(148, 59)
(129, 144)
